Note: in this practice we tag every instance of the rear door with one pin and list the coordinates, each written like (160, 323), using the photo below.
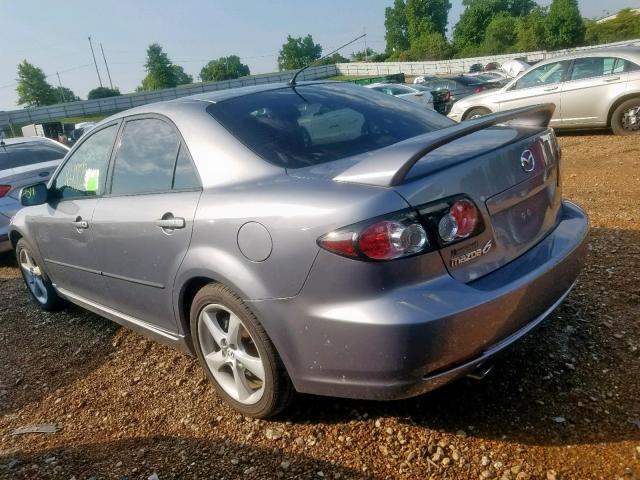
(600, 80)
(62, 228)
(540, 85)
(143, 226)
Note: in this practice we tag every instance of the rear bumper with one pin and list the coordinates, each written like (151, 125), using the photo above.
(402, 342)
(5, 244)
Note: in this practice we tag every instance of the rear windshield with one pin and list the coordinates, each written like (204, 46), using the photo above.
(468, 80)
(307, 125)
(22, 154)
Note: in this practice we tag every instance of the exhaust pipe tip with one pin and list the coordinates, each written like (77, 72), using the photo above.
(481, 371)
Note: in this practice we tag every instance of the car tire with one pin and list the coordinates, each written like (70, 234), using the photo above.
(476, 112)
(625, 119)
(36, 280)
(225, 356)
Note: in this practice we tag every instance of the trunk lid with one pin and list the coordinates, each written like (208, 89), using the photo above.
(519, 205)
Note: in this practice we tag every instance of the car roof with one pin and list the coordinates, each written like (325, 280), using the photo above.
(204, 99)
(627, 52)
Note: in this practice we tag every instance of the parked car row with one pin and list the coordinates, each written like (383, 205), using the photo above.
(594, 89)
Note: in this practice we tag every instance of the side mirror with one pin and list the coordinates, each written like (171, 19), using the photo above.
(34, 195)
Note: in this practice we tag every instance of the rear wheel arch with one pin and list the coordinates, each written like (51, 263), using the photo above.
(620, 101)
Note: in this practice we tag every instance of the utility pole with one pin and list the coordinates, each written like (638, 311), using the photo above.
(61, 90)
(366, 53)
(106, 65)
(94, 61)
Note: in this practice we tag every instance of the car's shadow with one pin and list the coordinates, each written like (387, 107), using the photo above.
(168, 457)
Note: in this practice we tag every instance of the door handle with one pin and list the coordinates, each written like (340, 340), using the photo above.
(613, 79)
(171, 223)
(551, 89)
(80, 224)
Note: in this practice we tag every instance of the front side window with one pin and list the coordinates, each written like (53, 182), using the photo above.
(83, 175)
(146, 158)
(544, 75)
(307, 125)
(591, 67)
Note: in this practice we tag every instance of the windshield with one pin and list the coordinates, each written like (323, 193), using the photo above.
(307, 125)
(17, 155)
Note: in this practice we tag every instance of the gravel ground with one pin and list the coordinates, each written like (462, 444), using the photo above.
(564, 403)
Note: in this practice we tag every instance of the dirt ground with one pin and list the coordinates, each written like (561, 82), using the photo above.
(563, 404)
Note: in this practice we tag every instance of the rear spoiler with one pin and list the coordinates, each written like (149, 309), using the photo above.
(389, 166)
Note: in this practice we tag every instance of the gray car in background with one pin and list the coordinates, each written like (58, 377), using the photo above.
(411, 93)
(595, 89)
(23, 161)
(318, 237)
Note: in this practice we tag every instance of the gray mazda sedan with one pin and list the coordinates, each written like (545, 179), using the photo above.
(318, 237)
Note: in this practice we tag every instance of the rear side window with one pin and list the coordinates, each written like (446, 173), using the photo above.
(23, 154)
(308, 125)
(84, 172)
(591, 67)
(146, 158)
(185, 176)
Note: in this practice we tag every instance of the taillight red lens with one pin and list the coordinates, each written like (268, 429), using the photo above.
(4, 189)
(477, 90)
(459, 222)
(389, 239)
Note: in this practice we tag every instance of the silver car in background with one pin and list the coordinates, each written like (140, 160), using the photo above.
(411, 93)
(23, 161)
(318, 237)
(595, 89)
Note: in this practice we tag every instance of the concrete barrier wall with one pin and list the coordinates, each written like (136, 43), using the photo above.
(439, 67)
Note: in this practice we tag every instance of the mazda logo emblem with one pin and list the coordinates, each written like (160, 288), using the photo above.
(527, 161)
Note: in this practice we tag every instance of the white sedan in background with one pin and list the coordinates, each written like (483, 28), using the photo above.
(411, 93)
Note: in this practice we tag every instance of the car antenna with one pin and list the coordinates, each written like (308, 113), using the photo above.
(292, 82)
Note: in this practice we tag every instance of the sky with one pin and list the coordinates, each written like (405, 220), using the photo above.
(53, 35)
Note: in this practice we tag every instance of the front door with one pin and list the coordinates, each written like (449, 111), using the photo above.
(593, 84)
(143, 226)
(63, 228)
(540, 85)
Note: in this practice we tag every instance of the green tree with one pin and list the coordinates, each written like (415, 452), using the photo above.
(103, 92)
(501, 34)
(64, 94)
(395, 23)
(426, 16)
(182, 77)
(33, 89)
(333, 59)
(429, 46)
(564, 27)
(470, 29)
(224, 68)
(363, 55)
(160, 71)
(530, 31)
(298, 52)
(625, 26)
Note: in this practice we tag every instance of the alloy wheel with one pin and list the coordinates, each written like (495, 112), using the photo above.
(231, 354)
(33, 276)
(631, 119)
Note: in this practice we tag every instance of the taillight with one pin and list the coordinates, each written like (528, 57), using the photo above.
(408, 232)
(459, 222)
(387, 238)
(4, 189)
(477, 90)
